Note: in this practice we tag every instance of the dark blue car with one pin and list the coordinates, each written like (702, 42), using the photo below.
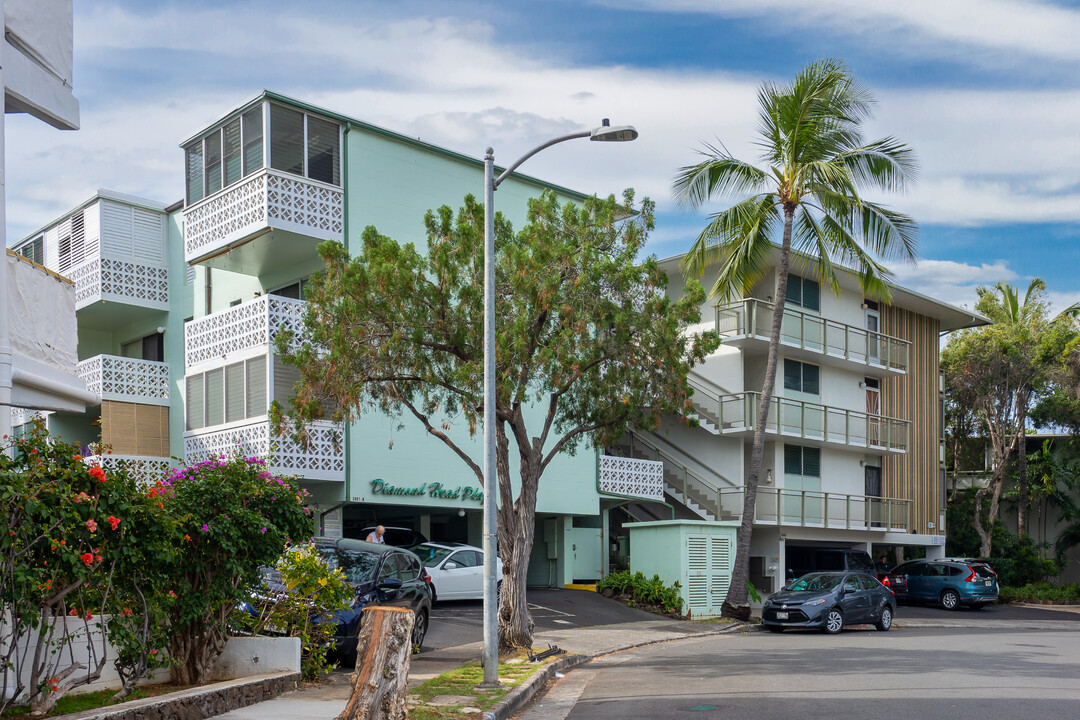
(830, 601)
(379, 575)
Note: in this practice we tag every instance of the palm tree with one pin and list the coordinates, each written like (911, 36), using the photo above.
(815, 160)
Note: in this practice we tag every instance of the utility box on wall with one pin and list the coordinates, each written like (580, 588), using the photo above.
(697, 554)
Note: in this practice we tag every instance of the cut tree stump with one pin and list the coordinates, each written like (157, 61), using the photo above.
(383, 650)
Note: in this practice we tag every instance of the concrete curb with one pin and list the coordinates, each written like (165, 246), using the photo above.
(525, 692)
(198, 703)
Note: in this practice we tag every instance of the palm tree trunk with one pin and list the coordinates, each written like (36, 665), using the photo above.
(1021, 462)
(736, 604)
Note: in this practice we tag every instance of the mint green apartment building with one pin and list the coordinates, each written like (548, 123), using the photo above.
(178, 306)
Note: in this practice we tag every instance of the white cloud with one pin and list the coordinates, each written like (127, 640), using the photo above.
(953, 282)
(1028, 27)
(987, 155)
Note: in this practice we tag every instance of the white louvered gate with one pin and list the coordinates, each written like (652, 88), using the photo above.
(708, 573)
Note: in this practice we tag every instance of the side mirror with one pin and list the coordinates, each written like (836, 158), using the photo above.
(450, 566)
(390, 584)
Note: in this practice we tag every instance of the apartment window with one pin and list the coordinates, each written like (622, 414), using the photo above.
(305, 145)
(224, 395)
(34, 250)
(799, 460)
(804, 292)
(802, 377)
(225, 155)
(294, 290)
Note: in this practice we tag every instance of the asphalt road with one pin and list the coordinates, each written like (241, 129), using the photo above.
(905, 674)
(457, 622)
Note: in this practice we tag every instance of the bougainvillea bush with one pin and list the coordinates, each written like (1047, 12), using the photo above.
(63, 545)
(231, 517)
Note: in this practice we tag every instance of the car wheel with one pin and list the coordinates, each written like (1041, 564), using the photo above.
(775, 628)
(885, 621)
(419, 629)
(834, 621)
(950, 600)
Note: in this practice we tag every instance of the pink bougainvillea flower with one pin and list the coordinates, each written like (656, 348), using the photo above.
(172, 593)
(76, 457)
(205, 527)
(114, 522)
(73, 612)
(263, 531)
(92, 525)
(126, 612)
(98, 473)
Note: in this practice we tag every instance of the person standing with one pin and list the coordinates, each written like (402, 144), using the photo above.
(376, 536)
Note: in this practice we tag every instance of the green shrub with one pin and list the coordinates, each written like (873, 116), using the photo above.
(309, 593)
(1043, 592)
(644, 591)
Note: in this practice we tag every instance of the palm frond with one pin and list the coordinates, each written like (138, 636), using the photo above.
(886, 163)
(732, 237)
(719, 175)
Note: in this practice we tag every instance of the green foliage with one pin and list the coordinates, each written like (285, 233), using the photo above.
(301, 604)
(644, 591)
(67, 547)
(584, 329)
(1043, 592)
(231, 516)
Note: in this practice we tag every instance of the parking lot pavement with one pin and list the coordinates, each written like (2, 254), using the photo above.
(458, 622)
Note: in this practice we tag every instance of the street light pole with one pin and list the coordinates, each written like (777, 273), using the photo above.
(604, 133)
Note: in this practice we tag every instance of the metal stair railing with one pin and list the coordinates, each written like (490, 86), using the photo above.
(691, 484)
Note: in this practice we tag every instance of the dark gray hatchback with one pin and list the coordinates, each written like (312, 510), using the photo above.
(830, 601)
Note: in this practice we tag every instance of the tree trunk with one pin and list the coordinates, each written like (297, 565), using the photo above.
(384, 648)
(737, 605)
(517, 528)
(1021, 480)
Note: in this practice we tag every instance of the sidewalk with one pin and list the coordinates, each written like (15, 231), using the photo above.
(326, 701)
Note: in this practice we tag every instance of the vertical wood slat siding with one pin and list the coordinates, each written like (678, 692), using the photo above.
(915, 397)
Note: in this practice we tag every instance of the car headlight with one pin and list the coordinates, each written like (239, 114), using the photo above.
(814, 603)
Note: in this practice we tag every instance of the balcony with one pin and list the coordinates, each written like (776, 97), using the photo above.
(252, 324)
(146, 470)
(810, 423)
(811, 508)
(323, 458)
(748, 324)
(270, 221)
(126, 379)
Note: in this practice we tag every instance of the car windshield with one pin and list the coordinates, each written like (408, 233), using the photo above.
(816, 582)
(358, 567)
(430, 555)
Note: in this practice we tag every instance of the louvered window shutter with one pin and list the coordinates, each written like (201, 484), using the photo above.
(195, 402)
(286, 140)
(256, 386)
(235, 394)
(194, 173)
(253, 140)
(215, 397)
(324, 151)
(231, 152)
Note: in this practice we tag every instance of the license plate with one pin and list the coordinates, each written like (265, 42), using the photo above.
(781, 616)
(989, 583)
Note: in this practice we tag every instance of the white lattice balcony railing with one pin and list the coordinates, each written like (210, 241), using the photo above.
(631, 477)
(322, 459)
(267, 199)
(104, 278)
(21, 416)
(815, 508)
(250, 324)
(145, 469)
(126, 379)
(811, 333)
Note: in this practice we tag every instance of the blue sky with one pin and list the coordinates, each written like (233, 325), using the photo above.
(987, 92)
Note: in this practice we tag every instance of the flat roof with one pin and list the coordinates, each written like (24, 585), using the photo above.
(950, 316)
(377, 130)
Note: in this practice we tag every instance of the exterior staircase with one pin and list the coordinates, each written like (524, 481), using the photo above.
(696, 491)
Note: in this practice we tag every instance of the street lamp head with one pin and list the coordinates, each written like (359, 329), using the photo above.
(619, 133)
